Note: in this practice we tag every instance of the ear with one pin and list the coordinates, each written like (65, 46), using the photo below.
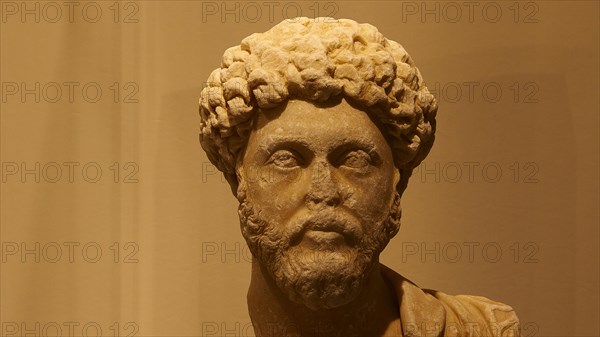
(393, 220)
(237, 182)
(233, 182)
(397, 177)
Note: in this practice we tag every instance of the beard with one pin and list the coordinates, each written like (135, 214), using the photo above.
(319, 276)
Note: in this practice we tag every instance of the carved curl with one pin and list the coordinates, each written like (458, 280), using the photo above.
(317, 60)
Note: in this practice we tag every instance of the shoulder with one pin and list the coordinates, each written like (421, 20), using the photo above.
(439, 314)
(468, 315)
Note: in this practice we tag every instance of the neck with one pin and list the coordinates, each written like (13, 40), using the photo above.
(373, 313)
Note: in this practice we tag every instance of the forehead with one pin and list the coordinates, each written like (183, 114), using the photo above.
(315, 124)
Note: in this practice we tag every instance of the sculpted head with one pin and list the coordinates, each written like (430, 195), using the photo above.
(317, 125)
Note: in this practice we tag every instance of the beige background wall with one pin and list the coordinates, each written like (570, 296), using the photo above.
(505, 206)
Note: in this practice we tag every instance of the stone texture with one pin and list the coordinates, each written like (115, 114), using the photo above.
(317, 125)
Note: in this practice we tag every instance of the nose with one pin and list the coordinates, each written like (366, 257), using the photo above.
(324, 190)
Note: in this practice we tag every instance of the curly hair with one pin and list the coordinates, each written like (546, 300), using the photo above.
(317, 60)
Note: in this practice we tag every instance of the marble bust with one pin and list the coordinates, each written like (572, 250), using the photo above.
(317, 125)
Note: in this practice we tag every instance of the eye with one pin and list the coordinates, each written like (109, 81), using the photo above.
(357, 159)
(284, 159)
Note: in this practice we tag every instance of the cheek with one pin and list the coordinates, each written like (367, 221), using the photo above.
(371, 198)
(277, 195)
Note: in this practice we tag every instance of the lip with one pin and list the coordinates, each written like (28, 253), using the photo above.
(324, 237)
(326, 229)
(323, 234)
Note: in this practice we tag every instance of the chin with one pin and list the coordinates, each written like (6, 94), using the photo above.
(320, 279)
(316, 278)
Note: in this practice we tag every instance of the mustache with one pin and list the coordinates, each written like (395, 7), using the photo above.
(328, 221)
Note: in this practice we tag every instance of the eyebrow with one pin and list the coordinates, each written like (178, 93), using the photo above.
(369, 147)
(276, 142)
(359, 143)
(300, 144)
(282, 141)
